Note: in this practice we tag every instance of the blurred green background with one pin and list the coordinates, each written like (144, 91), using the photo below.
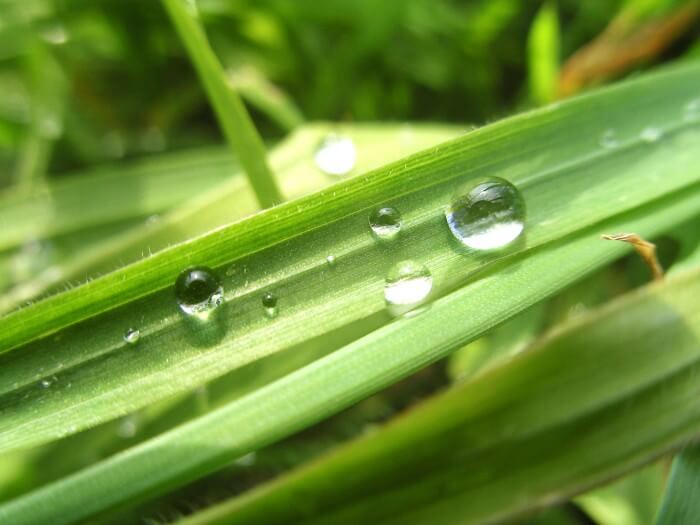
(108, 79)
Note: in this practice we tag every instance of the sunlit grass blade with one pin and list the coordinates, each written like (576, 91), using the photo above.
(403, 346)
(530, 433)
(233, 117)
(208, 208)
(566, 181)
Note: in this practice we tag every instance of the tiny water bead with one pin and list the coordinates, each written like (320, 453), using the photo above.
(608, 139)
(407, 283)
(335, 155)
(385, 223)
(269, 302)
(651, 134)
(198, 291)
(486, 214)
(330, 261)
(132, 336)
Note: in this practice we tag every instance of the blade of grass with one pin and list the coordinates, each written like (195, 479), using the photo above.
(543, 54)
(681, 505)
(529, 434)
(376, 144)
(233, 117)
(394, 351)
(88, 365)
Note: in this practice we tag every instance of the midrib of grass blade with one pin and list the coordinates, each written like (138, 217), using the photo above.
(552, 139)
(342, 378)
(231, 199)
(233, 117)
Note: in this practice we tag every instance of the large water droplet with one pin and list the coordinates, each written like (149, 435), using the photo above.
(651, 134)
(385, 223)
(608, 139)
(269, 302)
(486, 214)
(198, 292)
(132, 336)
(692, 110)
(335, 155)
(407, 283)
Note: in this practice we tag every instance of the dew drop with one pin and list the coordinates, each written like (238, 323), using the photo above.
(608, 139)
(651, 134)
(407, 283)
(198, 292)
(45, 383)
(269, 302)
(330, 261)
(127, 427)
(132, 336)
(692, 110)
(385, 223)
(335, 155)
(486, 214)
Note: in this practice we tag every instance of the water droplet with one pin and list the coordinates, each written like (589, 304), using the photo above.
(269, 302)
(127, 427)
(330, 260)
(608, 139)
(335, 155)
(486, 214)
(198, 292)
(50, 126)
(385, 223)
(407, 283)
(692, 110)
(651, 134)
(132, 336)
(45, 383)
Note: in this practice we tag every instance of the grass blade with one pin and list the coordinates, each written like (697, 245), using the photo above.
(233, 117)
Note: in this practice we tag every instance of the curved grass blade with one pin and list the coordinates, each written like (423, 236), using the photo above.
(404, 346)
(88, 365)
(681, 505)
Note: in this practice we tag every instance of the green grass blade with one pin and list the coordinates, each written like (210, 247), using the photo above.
(681, 505)
(531, 433)
(543, 54)
(394, 351)
(568, 188)
(233, 117)
(211, 207)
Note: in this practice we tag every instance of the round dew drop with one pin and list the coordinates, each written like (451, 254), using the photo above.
(608, 139)
(407, 283)
(269, 302)
(330, 261)
(385, 223)
(335, 155)
(651, 134)
(132, 336)
(486, 214)
(198, 292)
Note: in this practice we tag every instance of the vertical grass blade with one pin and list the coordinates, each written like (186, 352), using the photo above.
(233, 117)
(681, 505)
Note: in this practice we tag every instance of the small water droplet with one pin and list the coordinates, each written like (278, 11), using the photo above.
(50, 126)
(407, 283)
(651, 134)
(692, 110)
(132, 336)
(152, 220)
(608, 139)
(486, 214)
(385, 223)
(335, 155)
(269, 302)
(127, 427)
(198, 292)
(330, 260)
(45, 383)
(55, 34)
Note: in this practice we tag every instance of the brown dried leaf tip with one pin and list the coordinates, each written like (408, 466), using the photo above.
(645, 249)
